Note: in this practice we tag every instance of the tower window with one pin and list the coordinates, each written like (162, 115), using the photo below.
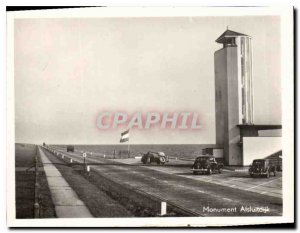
(229, 42)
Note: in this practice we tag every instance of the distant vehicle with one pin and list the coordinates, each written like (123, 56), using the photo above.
(70, 148)
(44, 144)
(155, 157)
(262, 167)
(206, 164)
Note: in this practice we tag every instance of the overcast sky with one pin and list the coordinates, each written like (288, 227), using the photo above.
(69, 70)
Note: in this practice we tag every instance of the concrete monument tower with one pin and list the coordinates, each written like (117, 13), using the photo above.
(233, 93)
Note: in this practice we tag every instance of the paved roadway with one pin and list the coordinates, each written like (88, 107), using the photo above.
(234, 179)
(227, 194)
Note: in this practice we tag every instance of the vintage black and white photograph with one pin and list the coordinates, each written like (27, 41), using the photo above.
(173, 115)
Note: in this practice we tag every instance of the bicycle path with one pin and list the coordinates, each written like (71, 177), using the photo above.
(67, 203)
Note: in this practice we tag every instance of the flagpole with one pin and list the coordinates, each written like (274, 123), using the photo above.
(128, 149)
(124, 138)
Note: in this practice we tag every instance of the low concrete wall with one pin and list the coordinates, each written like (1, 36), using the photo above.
(270, 133)
(259, 148)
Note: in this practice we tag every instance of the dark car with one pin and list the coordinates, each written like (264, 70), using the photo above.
(70, 148)
(206, 165)
(262, 167)
(154, 157)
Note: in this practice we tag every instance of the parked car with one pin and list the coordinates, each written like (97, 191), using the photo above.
(262, 167)
(70, 148)
(154, 157)
(206, 165)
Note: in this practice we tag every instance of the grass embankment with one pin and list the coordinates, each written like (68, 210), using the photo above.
(135, 203)
(25, 184)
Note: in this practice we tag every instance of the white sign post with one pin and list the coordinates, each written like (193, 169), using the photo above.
(163, 208)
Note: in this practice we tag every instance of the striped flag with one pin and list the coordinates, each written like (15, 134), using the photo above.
(125, 136)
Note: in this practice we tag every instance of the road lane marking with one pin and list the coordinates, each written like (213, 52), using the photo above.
(232, 179)
(262, 184)
(227, 199)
